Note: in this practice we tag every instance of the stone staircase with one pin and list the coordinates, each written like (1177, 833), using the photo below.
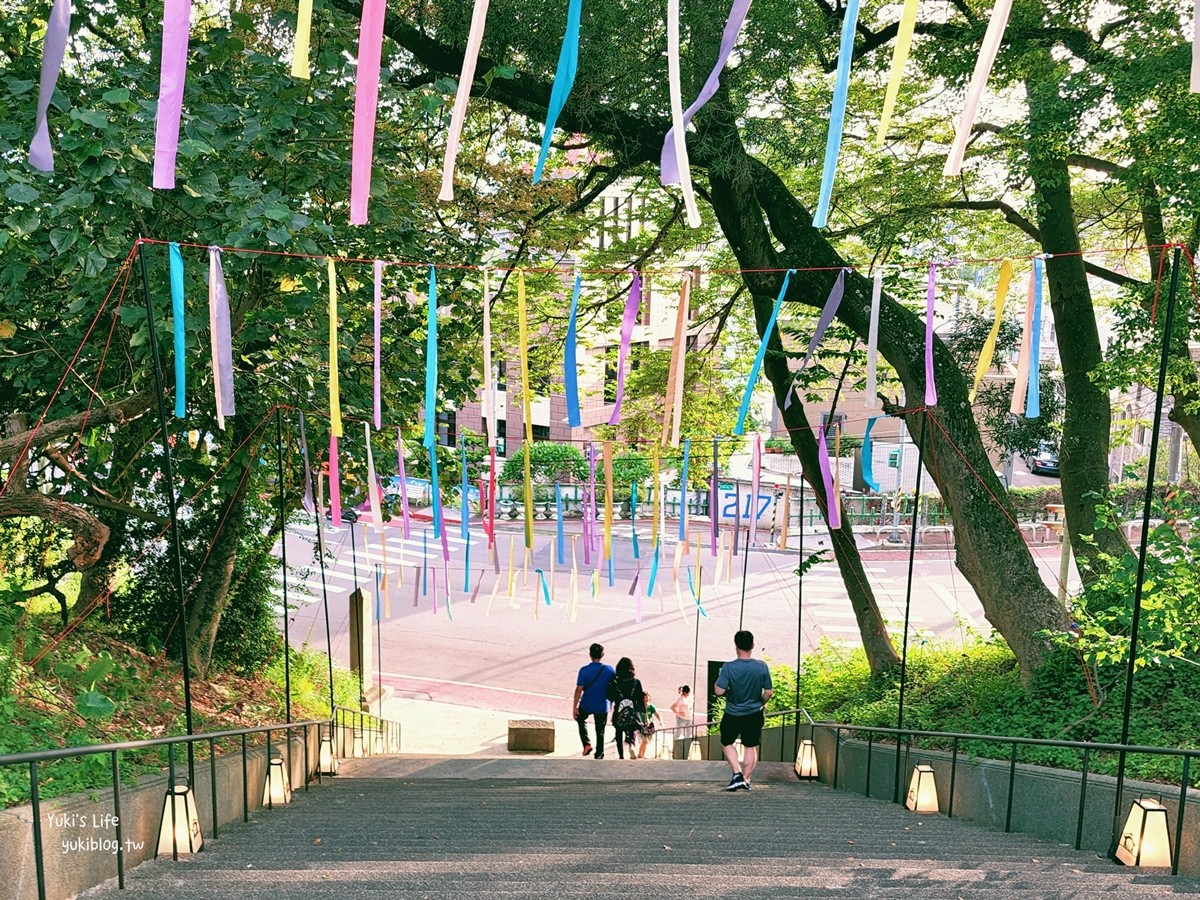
(534, 827)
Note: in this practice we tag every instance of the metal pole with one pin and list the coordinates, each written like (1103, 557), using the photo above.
(894, 538)
(358, 638)
(379, 641)
(287, 640)
(799, 603)
(172, 510)
(317, 514)
(1168, 323)
(912, 552)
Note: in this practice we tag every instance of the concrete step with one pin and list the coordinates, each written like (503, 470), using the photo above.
(396, 827)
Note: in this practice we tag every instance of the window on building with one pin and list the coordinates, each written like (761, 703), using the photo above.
(644, 309)
(693, 343)
(501, 437)
(838, 422)
(637, 352)
(541, 432)
(502, 376)
(610, 375)
(447, 429)
(693, 275)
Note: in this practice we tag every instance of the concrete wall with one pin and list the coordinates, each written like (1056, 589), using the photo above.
(79, 837)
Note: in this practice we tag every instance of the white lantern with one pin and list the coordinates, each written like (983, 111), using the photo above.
(278, 788)
(922, 791)
(326, 758)
(1145, 840)
(179, 831)
(806, 761)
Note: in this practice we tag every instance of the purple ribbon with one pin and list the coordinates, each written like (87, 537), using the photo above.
(177, 16)
(930, 387)
(593, 518)
(823, 322)
(222, 338)
(669, 163)
(378, 314)
(631, 312)
(307, 500)
(58, 29)
(712, 500)
(403, 482)
(833, 509)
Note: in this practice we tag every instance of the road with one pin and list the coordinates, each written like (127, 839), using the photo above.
(520, 655)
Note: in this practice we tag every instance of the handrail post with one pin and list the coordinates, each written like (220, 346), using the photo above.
(305, 739)
(36, 807)
(1183, 787)
(171, 791)
(212, 778)
(953, 772)
(870, 755)
(270, 793)
(245, 784)
(837, 753)
(1012, 780)
(1082, 798)
(116, 776)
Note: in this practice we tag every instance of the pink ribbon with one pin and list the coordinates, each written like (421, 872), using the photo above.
(335, 482)
(366, 102)
(669, 162)
(983, 67)
(378, 315)
(631, 312)
(58, 30)
(930, 294)
(403, 482)
(833, 513)
(176, 21)
(459, 113)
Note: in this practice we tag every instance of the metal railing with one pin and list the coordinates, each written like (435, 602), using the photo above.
(667, 737)
(365, 723)
(906, 737)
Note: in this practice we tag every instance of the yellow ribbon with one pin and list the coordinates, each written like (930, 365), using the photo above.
(523, 332)
(608, 500)
(512, 569)
(573, 606)
(335, 402)
(657, 491)
(383, 582)
(989, 346)
(908, 21)
(303, 29)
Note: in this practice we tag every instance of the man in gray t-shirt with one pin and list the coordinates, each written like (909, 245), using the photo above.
(745, 683)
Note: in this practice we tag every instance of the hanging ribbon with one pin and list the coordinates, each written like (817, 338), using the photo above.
(179, 327)
(403, 482)
(631, 314)
(433, 575)
(545, 588)
(868, 464)
(372, 484)
(1195, 81)
(303, 30)
(904, 33)
(222, 340)
(431, 364)
(570, 366)
(54, 47)
(489, 383)
(435, 488)
(930, 294)
(983, 67)
(573, 603)
(467, 568)
(837, 113)
(633, 519)
(653, 570)
(737, 516)
(492, 499)
(523, 332)
(464, 525)
(335, 482)
(683, 490)
(744, 409)
(366, 103)
(833, 513)
(307, 499)
(678, 364)
(678, 132)
(383, 583)
(713, 501)
(608, 504)
(177, 16)
(512, 568)
(558, 510)
(656, 496)
(989, 345)
(564, 79)
(449, 593)
(695, 594)
(424, 562)
(873, 339)
(1021, 384)
(832, 302)
(1033, 396)
(591, 500)
(669, 160)
(458, 115)
(335, 400)
(377, 401)
(755, 476)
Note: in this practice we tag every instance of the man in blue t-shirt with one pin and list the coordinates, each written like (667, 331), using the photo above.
(745, 684)
(591, 690)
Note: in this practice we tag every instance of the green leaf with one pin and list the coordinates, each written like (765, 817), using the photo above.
(63, 239)
(21, 193)
(116, 95)
(94, 705)
(93, 117)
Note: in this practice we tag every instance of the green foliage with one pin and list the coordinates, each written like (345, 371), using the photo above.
(1018, 436)
(549, 462)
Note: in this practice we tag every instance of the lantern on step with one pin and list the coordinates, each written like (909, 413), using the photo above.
(179, 830)
(1145, 840)
(278, 788)
(377, 746)
(806, 761)
(358, 751)
(694, 750)
(326, 758)
(922, 790)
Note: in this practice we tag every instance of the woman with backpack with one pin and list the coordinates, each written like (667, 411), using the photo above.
(629, 706)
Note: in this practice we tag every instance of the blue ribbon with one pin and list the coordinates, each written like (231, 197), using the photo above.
(683, 490)
(695, 596)
(611, 573)
(177, 314)
(467, 567)
(653, 571)
(466, 513)
(378, 607)
(1033, 392)
(545, 590)
(740, 428)
(431, 365)
(837, 113)
(562, 538)
(425, 562)
(570, 366)
(437, 492)
(564, 80)
(633, 519)
(868, 471)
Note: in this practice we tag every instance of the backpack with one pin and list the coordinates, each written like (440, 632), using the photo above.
(625, 716)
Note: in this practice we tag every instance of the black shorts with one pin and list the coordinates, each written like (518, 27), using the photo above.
(748, 728)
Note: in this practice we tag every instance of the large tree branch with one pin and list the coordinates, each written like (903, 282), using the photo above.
(90, 533)
(119, 413)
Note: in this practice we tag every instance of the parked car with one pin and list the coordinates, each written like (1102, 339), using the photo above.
(1045, 460)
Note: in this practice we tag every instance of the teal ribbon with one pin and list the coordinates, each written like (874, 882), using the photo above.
(545, 590)
(868, 469)
(1033, 393)
(437, 495)
(570, 364)
(837, 113)
(683, 490)
(431, 366)
(564, 80)
(177, 314)
(695, 596)
(653, 570)
(744, 410)
(562, 538)
(466, 513)
(633, 518)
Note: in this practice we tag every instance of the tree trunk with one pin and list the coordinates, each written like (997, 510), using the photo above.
(1083, 456)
